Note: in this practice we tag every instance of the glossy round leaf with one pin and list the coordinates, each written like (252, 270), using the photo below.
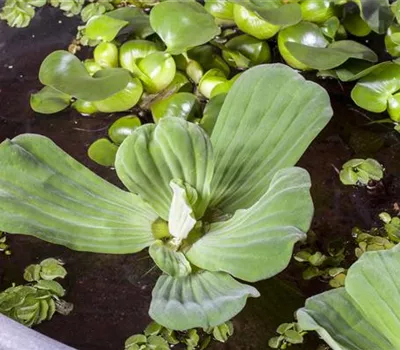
(122, 100)
(104, 28)
(180, 105)
(103, 152)
(49, 101)
(132, 50)
(355, 25)
(182, 25)
(106, 55)
(65, 72)
(122, 128)
(317, 11)
(84, 107)
(377, 13)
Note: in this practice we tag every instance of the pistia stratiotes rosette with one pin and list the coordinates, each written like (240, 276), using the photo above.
(209, 208)
(365, 314)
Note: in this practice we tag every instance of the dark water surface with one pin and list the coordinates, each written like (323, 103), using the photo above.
(111, 293)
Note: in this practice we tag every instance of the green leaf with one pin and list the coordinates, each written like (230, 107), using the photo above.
(46, 193)
(257, 243)
(52, 271)
(123, 127)
(273, 11)
(334, 55)
(139, 22)
(211, 111)
(204, 299)
(377, 13)
(65, 72)
(103, 152)
(354, 69)
(373, 91)
(52, 286)
(365, 314)
(49, 101)
(268, 119)
(172, 149)
(104, 28)
(169, 261)
(182, 25)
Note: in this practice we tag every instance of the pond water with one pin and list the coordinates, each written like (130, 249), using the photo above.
(111, 293)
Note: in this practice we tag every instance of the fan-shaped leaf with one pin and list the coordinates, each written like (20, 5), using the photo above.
(268, 119)
(47, 194)
(257, 243)
(152, 156)
(203, 299)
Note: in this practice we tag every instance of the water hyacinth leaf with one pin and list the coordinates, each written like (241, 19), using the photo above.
(273, 11)
(103, 152)
(47, 194)
(172, 149)
(318, 11)
(257, 243)
(182, 25)
(49, 101)
(331, 27)
(211, 112)
(354, 69)
(65, 72)
(268, 119)
(104, 28)
(122, 128)
(392, 40)
(180, 105)
(355, 25)
(138, 21)
(365, 313)
(377, 13)
(169, 261)
(203, 299)
(332, 56)
(374, 90)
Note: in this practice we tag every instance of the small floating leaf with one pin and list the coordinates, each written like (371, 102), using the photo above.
(49, 101)
(103, 152)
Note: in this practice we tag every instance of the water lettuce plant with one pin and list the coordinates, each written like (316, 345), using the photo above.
(365, 313)
(210, 209)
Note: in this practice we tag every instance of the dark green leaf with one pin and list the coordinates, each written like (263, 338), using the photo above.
(49, 101)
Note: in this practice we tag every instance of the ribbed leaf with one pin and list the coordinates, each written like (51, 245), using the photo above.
(169, 261)
(46, 193)
(204, 299)
(365, 314)
(257, 243)
(152, 156)
(268, 120)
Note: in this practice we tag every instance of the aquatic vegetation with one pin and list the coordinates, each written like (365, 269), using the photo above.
(361, 171)
(208, 203)
(37, 301)
(363, 314)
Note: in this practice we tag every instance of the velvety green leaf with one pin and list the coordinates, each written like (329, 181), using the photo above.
(49, 101)
(156, 154)
(46, 193)
(373, 91)
(267, 121)
(332, 56)
(257, 243)
(377, 14)
(138, 21)
(65, 72)
(104, 28)
(365, 313)
(203, 299)
(169, 261)
(182, 25)
(273, 11)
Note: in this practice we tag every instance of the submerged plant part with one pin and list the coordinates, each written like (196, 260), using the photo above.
(361, 171)
(365, 313)
(33, 303)
(214, 209)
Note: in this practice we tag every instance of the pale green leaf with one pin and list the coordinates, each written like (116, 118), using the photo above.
(183, 25)
(203, 299)
(153, 155)
(365, 314)
(268, 119)
(257, 243)
(47, 194)
(169, 261)
(66, 73)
